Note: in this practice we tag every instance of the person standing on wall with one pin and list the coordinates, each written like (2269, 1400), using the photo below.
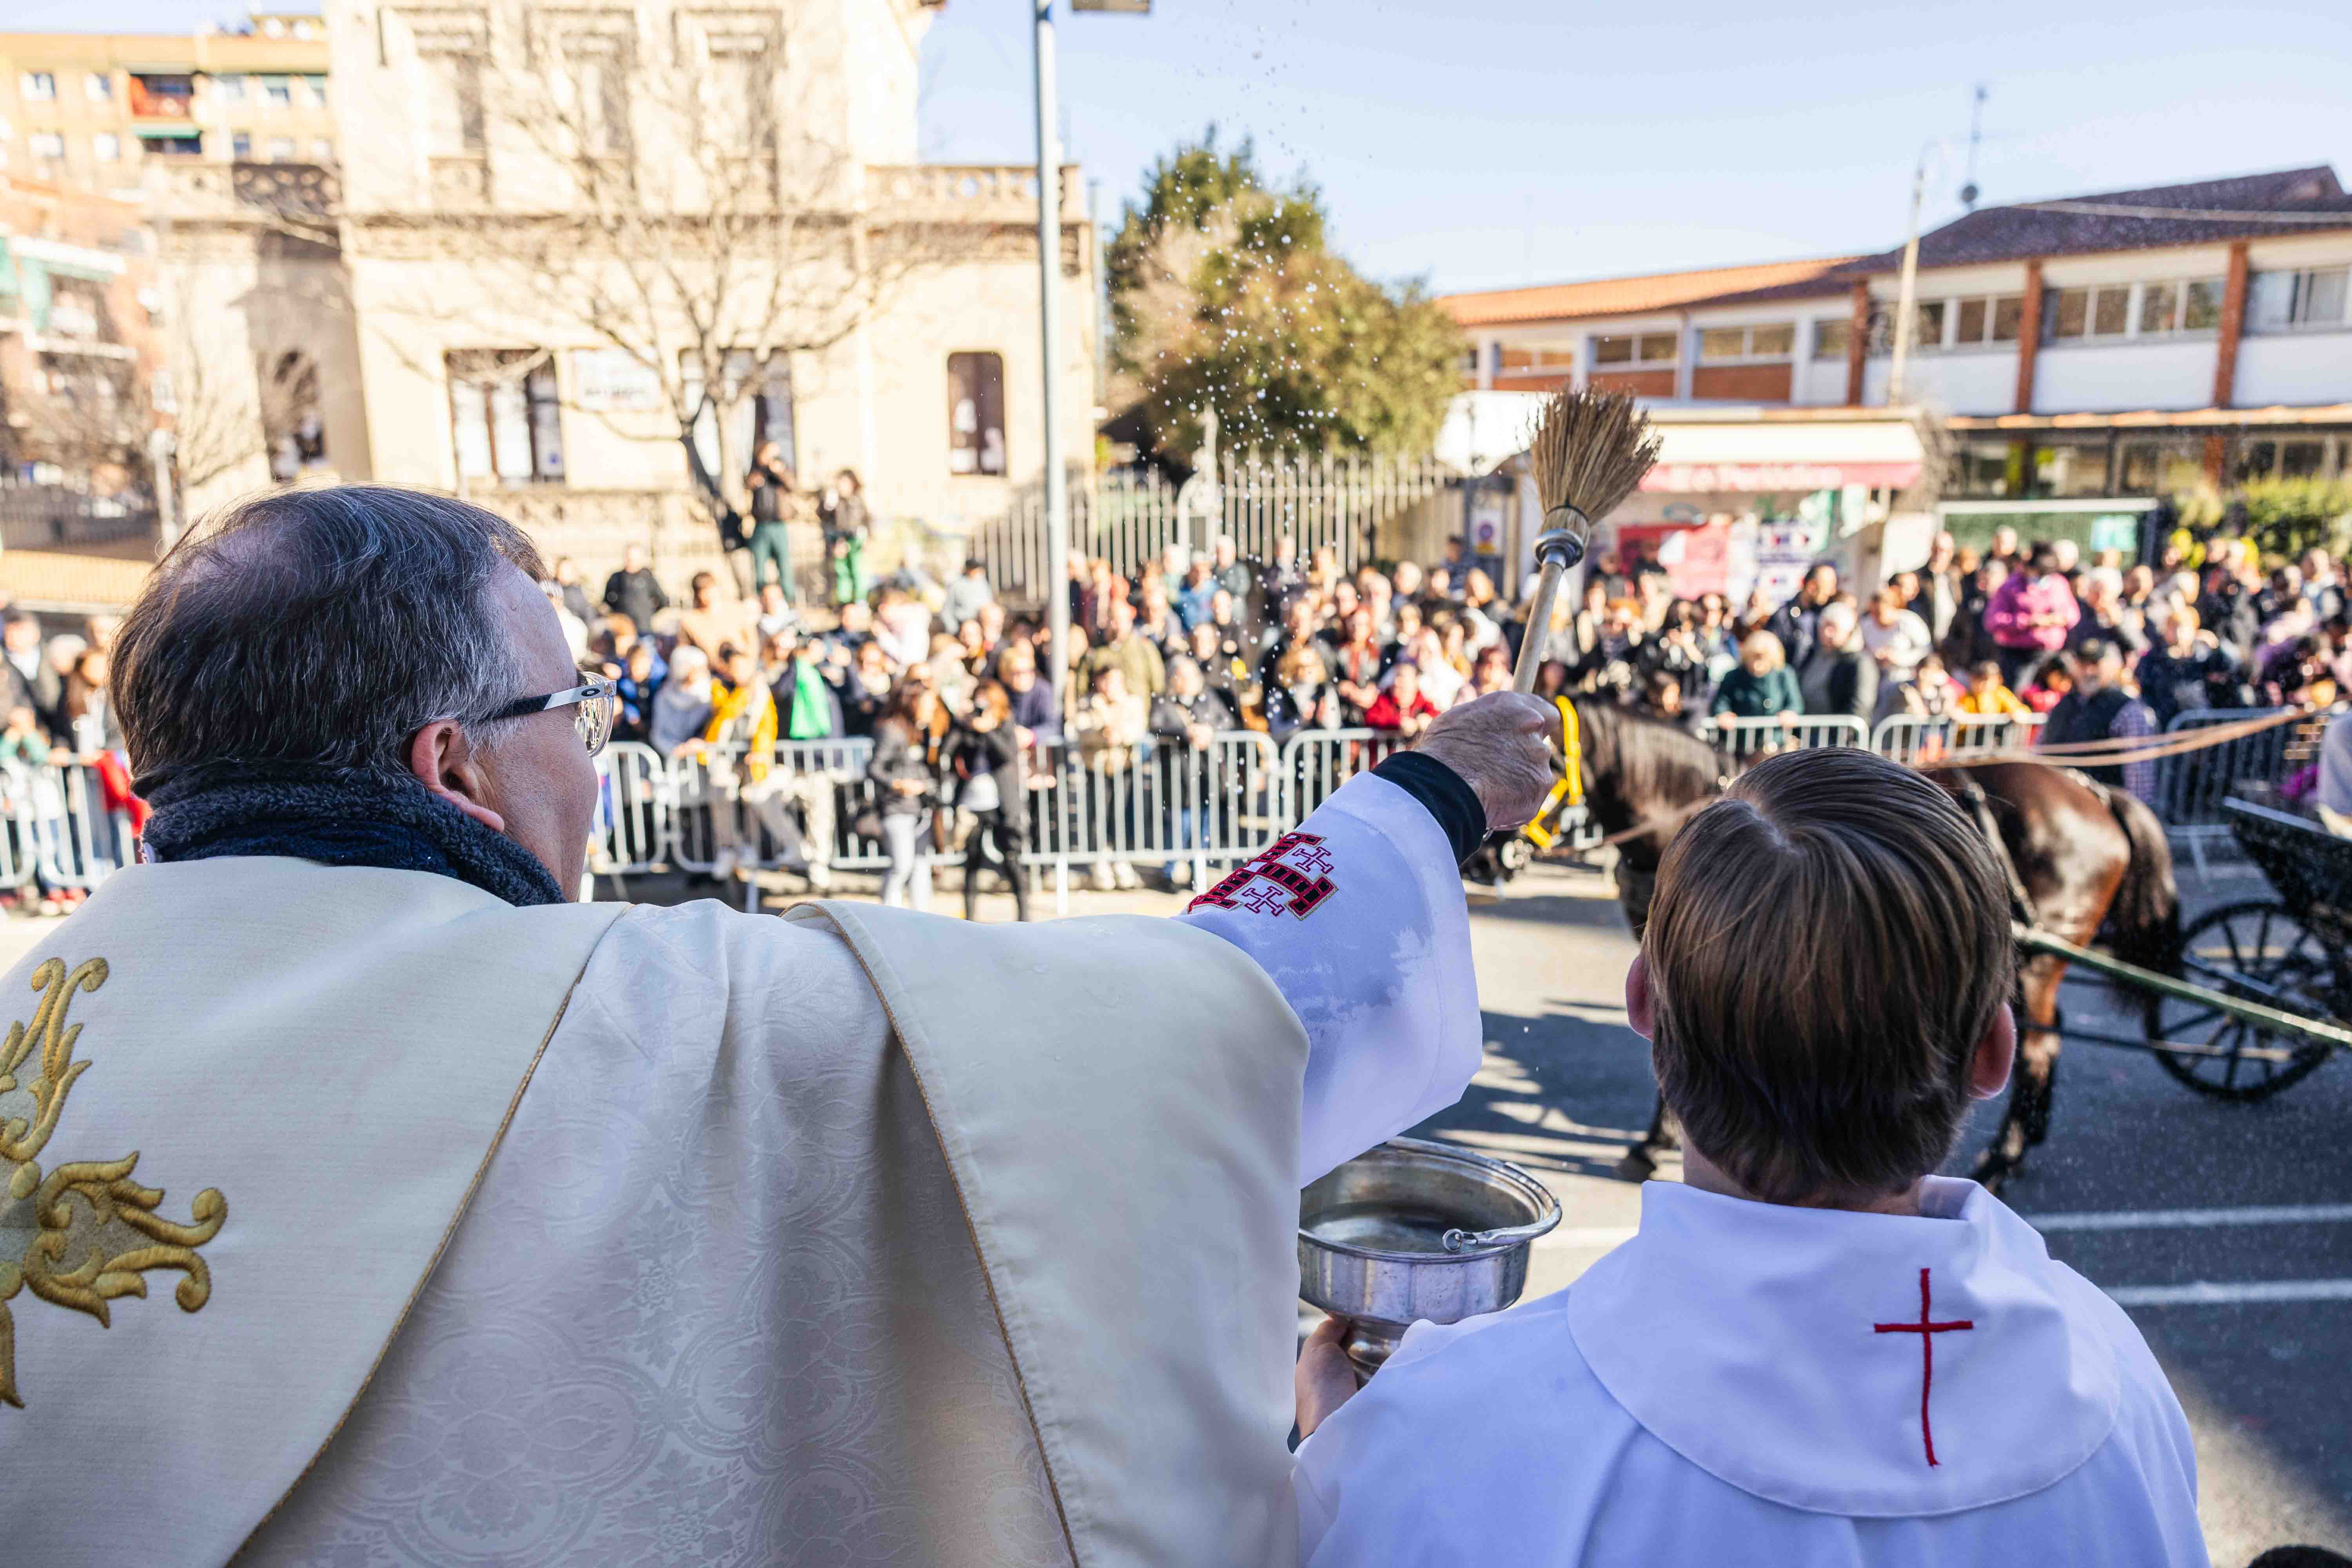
(846, 520)
(773, 489)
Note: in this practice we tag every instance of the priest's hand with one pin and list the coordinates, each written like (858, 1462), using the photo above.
(1501, 746)
(1325, 1378)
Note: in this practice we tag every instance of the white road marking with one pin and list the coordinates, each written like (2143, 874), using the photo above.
(2167, 1219)
(2206, 1293)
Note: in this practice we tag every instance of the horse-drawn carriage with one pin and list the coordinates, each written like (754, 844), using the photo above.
(2249, 999)
(2263, 986)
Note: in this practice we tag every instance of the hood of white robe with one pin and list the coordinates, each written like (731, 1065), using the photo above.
(1746, 1337)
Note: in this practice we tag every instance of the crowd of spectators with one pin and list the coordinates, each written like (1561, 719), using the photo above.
(948, 684)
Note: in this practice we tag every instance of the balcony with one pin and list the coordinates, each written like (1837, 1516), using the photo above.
(974, 192)
(307, 195)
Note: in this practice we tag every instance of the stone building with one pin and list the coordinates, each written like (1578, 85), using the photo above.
(562, 225)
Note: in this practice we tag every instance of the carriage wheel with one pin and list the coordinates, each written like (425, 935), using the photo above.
(2291, 970)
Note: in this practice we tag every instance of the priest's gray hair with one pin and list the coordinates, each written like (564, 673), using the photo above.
(319, 628)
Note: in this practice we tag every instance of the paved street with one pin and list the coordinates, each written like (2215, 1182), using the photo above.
(2267, 1384)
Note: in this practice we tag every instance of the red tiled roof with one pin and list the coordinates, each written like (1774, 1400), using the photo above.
(2311, 200)
(1627, 296)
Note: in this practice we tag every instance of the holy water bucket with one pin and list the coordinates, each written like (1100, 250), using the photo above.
(1412, 1230)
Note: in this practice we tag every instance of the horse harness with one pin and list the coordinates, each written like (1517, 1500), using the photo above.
(1979, 805)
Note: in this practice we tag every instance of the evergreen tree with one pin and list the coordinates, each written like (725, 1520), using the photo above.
(1226, 296)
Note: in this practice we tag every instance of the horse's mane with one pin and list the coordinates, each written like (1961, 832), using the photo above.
(1651, 763)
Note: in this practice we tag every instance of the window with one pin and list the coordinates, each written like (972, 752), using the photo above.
(1773, 341)
(322, 151)
(504, 414)
(47, 144)
(37, 86)
(175, 146)
(162, 97)
(1832, 340)
(318, 86)
(2110, 312)
(976, 414)
(1927, 323)
(277, 91)
(99, 86)
(240, 147)
(281, 149)
(1991, 319)
(2160, 307)
(454, 103)
(600, 87)
(2283, 302)
(2200, 304)
(108, 147)
(1988, 469)
(231, 88)
(1648, 348)
(757, 398)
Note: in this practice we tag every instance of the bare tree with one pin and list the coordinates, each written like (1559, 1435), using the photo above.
(651, 197)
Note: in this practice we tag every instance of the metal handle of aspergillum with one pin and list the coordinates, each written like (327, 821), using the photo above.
(1557, 550)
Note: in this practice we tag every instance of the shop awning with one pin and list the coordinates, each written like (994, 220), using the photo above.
(2155, 419)
(1765, 456)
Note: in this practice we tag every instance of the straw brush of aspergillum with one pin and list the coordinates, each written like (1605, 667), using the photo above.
(1589, 450)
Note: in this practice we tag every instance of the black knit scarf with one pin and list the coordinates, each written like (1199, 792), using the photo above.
(338, 817)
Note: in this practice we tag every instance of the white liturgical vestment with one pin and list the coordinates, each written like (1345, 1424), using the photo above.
(1752, 1383)
(352, 1216)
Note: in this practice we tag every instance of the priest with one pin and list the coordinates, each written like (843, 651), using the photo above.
(1814, 1349)
(363, 1200)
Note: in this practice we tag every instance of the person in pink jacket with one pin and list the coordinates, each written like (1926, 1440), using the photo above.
(2030, 613)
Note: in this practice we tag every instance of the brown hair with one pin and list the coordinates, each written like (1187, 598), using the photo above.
(1827, 945)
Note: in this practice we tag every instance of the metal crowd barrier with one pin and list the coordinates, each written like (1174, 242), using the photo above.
(55, 826)
(2190, 787)
(1151, 803)
(1921, 740)
(1746, 738)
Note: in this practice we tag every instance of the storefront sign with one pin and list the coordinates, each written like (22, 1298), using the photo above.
(611, 380)
(1776, 478)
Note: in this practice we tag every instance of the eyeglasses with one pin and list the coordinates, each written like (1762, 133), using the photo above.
(596, 702)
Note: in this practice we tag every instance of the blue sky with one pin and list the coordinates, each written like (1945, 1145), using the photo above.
(1491, 142)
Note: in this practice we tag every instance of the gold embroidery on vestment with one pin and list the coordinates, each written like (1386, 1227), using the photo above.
(94, 1234)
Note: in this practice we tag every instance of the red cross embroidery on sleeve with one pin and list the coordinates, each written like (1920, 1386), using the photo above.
(1927, 1332)
(1293, 873)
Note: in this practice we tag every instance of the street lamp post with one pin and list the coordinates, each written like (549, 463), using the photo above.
(1049, 331)
(1049, 328)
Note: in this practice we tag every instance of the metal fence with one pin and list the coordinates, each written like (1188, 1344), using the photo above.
(1129, 518)
(55, 825)
(1922, 741)
(1745, 738)
(1154, 804)
(42, 517)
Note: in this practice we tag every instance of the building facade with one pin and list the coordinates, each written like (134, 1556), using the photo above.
(92, 110)
(760, 214)
(2079, 356)
(539, 232)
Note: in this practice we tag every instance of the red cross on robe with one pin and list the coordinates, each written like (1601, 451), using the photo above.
(1926, 1330)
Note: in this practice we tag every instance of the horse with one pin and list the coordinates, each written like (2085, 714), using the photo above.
(2084, 854)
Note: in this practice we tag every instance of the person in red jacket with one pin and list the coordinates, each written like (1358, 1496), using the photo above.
(1403, 708)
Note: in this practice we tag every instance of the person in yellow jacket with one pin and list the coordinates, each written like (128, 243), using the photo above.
(1988, 697)
(739, 750)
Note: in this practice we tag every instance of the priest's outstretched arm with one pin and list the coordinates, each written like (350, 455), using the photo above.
(1359, 919)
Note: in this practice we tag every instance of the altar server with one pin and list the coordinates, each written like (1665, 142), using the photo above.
(362, 1200)
(1814, 1350)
